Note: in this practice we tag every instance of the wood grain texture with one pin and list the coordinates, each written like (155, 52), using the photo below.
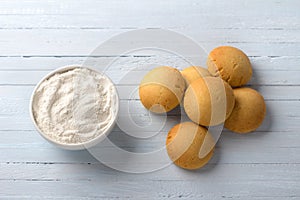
(39, 36)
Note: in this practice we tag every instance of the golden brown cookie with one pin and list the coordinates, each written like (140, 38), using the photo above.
(208, 101)
(184, 143)
(231, 64)
(162, 89)
(193, 73)
(248, 113)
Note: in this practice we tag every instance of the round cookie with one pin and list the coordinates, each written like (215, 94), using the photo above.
(162, 89)
(208, 101)
(231, 64)
(184, 142)
(192, 73)
(248, 113)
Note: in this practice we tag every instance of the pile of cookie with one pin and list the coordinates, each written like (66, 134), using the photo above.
(211, 97)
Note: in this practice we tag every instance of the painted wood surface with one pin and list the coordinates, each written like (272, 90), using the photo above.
(39, 36)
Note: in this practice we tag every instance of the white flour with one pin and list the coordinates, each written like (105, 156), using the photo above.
(74, 106)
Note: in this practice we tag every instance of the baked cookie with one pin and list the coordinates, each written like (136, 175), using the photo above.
(193, 73)
(208, 101)
(162, 89)
(189, 145)
(248, 113)
(231, 64)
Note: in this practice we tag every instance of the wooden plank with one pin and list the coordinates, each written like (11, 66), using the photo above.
(257, 148)
(200, 35)
(217, 182)
(155, 7)
(85, 172)
(57, 42)
(283, 139)
(53, 155)
(178, 21)
(125, 63)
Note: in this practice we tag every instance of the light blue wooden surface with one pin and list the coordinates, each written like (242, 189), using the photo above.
(39, 36)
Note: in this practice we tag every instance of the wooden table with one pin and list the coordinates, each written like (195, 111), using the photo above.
(39, 36)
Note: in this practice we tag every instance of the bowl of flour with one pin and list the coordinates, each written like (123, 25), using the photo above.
(74, 107)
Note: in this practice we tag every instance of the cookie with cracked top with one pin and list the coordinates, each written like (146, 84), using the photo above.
(231, 64)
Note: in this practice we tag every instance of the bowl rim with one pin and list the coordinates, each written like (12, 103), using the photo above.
(86, 144)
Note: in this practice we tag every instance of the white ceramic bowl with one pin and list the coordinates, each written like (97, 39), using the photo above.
(78, 146)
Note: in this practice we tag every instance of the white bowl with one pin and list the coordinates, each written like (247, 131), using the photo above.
(77, 146)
